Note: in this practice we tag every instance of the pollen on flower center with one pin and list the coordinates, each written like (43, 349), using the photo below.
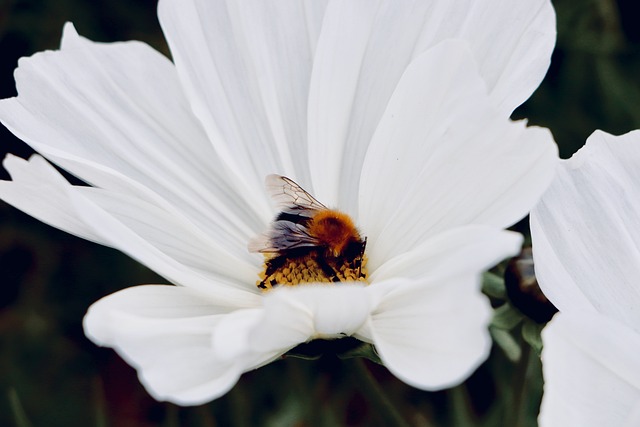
(309, 269)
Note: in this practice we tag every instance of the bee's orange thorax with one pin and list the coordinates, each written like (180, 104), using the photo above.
(334, 229)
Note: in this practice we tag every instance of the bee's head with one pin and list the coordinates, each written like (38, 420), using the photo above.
(336, 248)
(349, 249)
(354, 249)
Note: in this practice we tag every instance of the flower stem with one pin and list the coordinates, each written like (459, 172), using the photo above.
(520, 388)
(20, 417)
(376, 396)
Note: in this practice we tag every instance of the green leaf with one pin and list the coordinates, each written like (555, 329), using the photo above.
(315, 349)
(365, 350)
(507, 343)
(493, 285)
(17, 409)
(460, 413)
(506, 317)
(290, 413)
(303, 356)
(531, 334)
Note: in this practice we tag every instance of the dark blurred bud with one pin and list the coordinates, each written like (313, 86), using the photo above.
(523, 290)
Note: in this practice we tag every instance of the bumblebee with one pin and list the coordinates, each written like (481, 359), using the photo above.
(307, 241)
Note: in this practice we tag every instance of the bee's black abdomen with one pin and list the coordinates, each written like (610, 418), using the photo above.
(294, 218)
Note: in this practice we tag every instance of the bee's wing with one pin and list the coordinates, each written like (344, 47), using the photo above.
(288, 231)
(282, 235)
(289, 197)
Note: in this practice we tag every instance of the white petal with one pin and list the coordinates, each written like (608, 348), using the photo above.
(71, 39)
(512, 43)
(365, 46)
(245, 66)
(442, 157)
(230, 284)
(122, 122)
(39, 190)
(165, 332)
(333, 96)
(431, 335)
(591, 371)
(294, 315)
(586, 230)
(189, 375)
(464, 249)
(167, 233)
(152, 305)
(230, 338)
(335, 310)
(161, 240)
(633, 419)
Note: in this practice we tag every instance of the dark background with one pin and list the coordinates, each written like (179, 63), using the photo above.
(51, 375)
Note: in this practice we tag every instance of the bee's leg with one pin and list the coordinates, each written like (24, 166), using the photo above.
(357, 265)
(361, 257)
(328, 271)
(273, 265)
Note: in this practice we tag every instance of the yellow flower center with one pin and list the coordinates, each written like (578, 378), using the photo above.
(310, 268)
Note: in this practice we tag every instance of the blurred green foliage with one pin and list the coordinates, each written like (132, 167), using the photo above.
(593, 82)
(51, 375)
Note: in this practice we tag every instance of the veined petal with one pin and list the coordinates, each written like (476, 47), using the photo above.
(184, 309)
(586, 230)
(162, 240)
(123, 123)
(129, 241)
(472, 249)
(40, 191)
(591, 371)
(170, 234)
(442, 157)
(431, 335)
(512, 43)
(165, 332)
(245, 66)
(365, 46)
(336, 77)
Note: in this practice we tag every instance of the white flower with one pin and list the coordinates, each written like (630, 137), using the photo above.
(395, 112)
(585, 235)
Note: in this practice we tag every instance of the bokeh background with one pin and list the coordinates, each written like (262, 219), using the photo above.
(51, 375)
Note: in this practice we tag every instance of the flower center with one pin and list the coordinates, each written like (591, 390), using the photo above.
(311, 265)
